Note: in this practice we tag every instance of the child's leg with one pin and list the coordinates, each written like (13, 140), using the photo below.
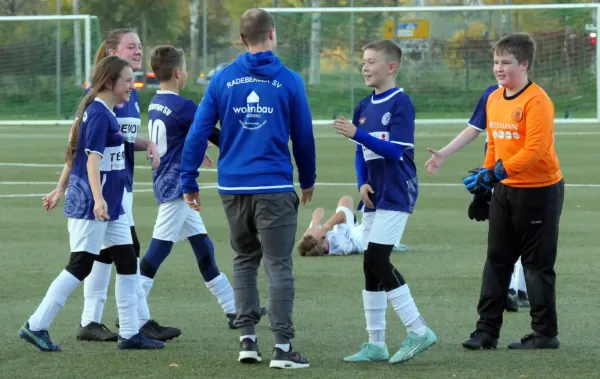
(193, 229)
(375, 306)
(85, 235)
(387, 228)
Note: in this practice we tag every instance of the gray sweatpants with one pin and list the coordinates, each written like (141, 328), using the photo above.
(263, 226)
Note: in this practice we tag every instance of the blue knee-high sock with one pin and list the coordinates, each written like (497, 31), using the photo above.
(205, 256)
(157, 252)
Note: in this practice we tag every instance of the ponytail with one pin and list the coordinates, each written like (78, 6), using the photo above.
(74, 135)
(101, 53)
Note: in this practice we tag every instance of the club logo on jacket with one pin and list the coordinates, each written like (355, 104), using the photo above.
(254, 113)
(386, 118)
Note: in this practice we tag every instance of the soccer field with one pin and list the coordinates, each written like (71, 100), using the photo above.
(442, 267)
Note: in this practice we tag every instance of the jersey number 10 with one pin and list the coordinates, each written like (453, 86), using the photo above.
(158, 134)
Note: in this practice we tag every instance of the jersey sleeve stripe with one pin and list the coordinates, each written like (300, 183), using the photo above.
(403, 143)
(88, 151)
(473, 126)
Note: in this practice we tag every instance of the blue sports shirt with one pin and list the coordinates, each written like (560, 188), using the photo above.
(99, 133)
(385, 150)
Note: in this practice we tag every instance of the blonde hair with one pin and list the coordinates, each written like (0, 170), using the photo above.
(111, 42)
(106, 73)
(310, 247)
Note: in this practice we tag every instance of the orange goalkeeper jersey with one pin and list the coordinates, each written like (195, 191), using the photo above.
(521, 132)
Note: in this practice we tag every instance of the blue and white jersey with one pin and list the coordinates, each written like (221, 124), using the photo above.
(390, 117)
(478, 119)
(99, 133)
(169, 119)
(128, 116)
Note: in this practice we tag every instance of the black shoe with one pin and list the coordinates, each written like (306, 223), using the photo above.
(287, 360)
(480, 340)
(231, 317)
(249, 352)
(523, 299)
(533, 341)
(96, 332)
(512, 301)
(158, 332)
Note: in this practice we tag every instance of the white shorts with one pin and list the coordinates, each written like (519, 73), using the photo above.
(349, 215)
(127, 204)
(93, 235)
(383, 227)
(176, 221)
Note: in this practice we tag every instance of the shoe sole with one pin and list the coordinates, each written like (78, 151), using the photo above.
(288, 365)
(119, 347)
(470, 347)
(164, 339)
(111, 339)
(249, 357)
(414, 355)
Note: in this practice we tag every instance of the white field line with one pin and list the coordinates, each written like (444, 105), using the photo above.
(212, 186)
(17, 164)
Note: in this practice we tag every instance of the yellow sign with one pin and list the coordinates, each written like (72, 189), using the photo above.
(407, 29)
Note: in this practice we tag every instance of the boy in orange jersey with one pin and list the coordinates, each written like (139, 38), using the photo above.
(522, 168)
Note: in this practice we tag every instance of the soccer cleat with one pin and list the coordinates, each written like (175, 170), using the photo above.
(534, 341)
(231, 317)
(523, 299)
(249, 352)
(414, 345)
(139, 342)
(480, 340)
(398, 248)
(154, 330)
(288, 360)
(39, 339)
(96, 332)
(512, 301)
(369, 353)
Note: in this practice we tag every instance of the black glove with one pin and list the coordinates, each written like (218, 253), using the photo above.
(479, 209)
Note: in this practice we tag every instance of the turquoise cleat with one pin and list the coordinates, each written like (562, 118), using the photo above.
(369, 353)
(413, 345)
(400, 247)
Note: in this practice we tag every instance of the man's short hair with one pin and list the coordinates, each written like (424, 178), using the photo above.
(521, 45)
(255, 24)
(310, 247)
(165, 59)
(391, 50)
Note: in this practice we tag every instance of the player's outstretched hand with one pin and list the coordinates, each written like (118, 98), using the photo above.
(51, 200)
(344, 127)
(152, 155)
(101, 210)
(434, 163)
(365, 191)
(307, 195)
(192, 200)
(207, 161)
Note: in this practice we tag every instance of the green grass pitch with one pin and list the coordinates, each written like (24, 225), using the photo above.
(442, 267)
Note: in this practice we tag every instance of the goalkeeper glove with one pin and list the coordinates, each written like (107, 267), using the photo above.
(483, 180)
(479, 209)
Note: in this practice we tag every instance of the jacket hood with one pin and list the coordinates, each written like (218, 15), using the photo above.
(264, 65)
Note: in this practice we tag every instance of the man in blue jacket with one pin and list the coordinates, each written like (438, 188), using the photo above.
(260, 105)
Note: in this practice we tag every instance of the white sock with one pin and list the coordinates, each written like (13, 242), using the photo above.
(146, 284)
(222, 290)
(143, 312)
(251, 336)
(522, 285)
(514, 280)
(127, 304)
(283, 346)
(95, 287)
(405, 307)
(56, 296)
(375, 304)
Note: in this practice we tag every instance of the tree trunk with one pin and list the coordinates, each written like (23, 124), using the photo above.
(314, 76)
(194, 37)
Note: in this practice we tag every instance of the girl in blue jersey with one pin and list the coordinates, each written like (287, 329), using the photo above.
(96, 156)
(125, 44)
